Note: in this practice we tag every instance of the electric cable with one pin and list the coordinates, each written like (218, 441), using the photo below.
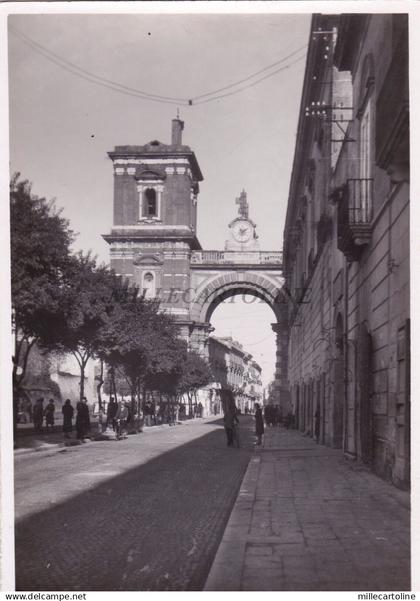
(250, 76)
(251, 85)
(110, 84)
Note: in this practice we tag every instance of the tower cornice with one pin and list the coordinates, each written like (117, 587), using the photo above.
(164, 152)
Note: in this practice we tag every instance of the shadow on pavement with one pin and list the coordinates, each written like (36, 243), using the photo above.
(154, 527)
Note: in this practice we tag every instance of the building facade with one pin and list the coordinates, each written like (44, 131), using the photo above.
(346, 243)
(234, 370)
(54, 377)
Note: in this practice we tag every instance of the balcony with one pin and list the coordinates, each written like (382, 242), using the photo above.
(354, 216)
(232, 257)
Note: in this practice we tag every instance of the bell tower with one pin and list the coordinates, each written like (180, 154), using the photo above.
(155, 217)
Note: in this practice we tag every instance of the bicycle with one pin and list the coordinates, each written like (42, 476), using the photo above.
(120, 429)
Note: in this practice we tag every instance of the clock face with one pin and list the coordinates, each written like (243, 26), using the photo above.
(242, 231)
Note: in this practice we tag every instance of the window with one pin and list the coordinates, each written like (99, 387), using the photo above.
(365, 164)
(365, 143)
(150, 200)
(363, 192)
(149, 203)
(149, 285)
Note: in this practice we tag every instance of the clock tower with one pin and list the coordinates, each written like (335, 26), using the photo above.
(243, 236)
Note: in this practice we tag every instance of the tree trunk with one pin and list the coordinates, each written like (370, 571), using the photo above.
(100, 384)
(133, 390)
(17, 379)
(113, 386)
(82, 380)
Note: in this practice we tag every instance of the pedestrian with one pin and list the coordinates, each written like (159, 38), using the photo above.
(200, 409)
(68, 412)
(267, 415)
(49, 412)
(147, 411)
(82, 419)
(229, 420)
(259, 423)
(276, 415)
(121, 418)
(111, 411)
(38, 414)
(317, 424)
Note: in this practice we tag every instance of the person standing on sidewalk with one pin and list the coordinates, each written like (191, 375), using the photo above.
(68, 413)
(49, 412)
(82, 419)
(38, 415)
(111, 411)
(229, 421)
(259, 423)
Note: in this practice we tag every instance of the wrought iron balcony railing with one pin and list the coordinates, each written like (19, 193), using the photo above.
(354, 212)
(360, 200)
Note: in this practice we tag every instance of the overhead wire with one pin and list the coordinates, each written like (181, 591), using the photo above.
(236, 83)
(251, 85)
(92, 77)
(115, 86)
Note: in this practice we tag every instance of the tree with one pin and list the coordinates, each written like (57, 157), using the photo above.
(40, 253)
(138, 339)
(88, 298)
(196, 373)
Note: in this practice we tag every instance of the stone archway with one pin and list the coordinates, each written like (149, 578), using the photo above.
(216, 289)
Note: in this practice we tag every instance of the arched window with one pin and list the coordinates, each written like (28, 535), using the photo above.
(149, 203)
(149, 285)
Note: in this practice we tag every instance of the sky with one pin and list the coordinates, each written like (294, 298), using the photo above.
(62, 126)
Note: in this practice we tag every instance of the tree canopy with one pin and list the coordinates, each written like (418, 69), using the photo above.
(40, 252)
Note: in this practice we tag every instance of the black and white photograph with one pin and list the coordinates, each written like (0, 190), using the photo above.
(206, 314)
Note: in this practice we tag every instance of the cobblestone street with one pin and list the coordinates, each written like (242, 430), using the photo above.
(146, 513)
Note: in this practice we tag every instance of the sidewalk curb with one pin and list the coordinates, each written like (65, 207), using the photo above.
(41, 449)
(55, 447)
(226, 570)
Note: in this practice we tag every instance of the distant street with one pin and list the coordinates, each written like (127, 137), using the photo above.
(146, 513)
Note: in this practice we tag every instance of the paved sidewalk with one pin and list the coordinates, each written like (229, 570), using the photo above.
(308, 519)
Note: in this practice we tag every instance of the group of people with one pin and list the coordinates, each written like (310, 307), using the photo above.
(156, 414)
(231, 422)
(39, 413)
(118, 415)
(272, 415)
(161, 413)
(82, 417)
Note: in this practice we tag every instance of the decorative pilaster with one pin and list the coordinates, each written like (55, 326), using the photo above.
(281, 386)
(199, 337)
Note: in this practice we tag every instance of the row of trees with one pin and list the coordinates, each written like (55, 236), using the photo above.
(65, 303)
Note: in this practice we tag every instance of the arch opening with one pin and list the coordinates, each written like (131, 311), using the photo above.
(242, 321)
(242, 292)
